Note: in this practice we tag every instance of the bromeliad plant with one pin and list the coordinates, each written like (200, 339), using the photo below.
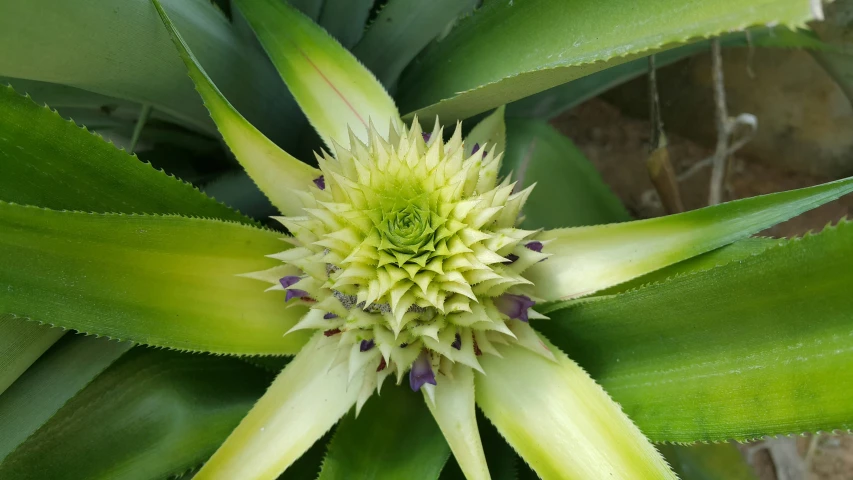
(405, 258)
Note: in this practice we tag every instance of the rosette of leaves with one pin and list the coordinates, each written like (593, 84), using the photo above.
(409, 255)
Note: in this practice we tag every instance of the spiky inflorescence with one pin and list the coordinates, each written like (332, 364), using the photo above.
(410, 255)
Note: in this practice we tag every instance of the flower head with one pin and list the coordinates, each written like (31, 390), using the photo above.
(405, 245)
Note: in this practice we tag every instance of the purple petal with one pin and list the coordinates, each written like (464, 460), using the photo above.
(421, 372)
(329, 316)
(477, 149)
(295, 293)
(366, 345)
(536, 246)
(289, 280)
(292, 293)
(320, 182)
(514, 306)
(510, 259)
(457, 344)
(426, 136)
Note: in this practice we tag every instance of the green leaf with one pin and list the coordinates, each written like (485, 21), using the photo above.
(560, 421)
(59, 96)
(554, 101)
(394, 437)
(588, 259)
(51, 162)
(734, 252)
(21, 344)
(345, 19)
(569, 191)
(739, 351)
(509, 50)
(113, 47)
(152, 414)
(502, 460)
(451, 403)
(275, 172)
(713, 461)
(401, 30)
(307, 467)
(311, 8)
(239, 191)
(333, 89)
(56, 377)
(306, 399)
(160, 280)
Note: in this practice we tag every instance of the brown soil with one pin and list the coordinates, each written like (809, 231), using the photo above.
(618, 146)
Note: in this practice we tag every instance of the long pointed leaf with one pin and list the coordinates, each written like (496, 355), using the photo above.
(734, 252)
(114, 47)
(713, 461)
(334, 90)
(552, 102)
(509, 50)
(50, 162)
(345, 19)
(453, 409)
(739, 351)
(504, 463)
(401, 30)
(307, 398)
(393, 437)
(275, 172)
(152, 414)
(159, 280)
(589, 259)
(560, 421)
(21, 344)
(56, 377)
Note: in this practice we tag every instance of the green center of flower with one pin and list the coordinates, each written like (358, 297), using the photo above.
(409, 254)
(407, 232)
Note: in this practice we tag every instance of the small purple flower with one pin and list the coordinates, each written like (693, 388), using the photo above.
(366, 345)
(329, 316)
(510, 259)
(295, 293)
(457, 344)
(320, 182)
(514, 306)
(535, 245)
(292, 292)
(426, 136)
(477, 149)
(421, 372)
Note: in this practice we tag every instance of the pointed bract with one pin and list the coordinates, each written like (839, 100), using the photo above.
(304, 402)
(333, 89)
(561, 422)
(275, 171)
(588, 259)
(453, 410)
